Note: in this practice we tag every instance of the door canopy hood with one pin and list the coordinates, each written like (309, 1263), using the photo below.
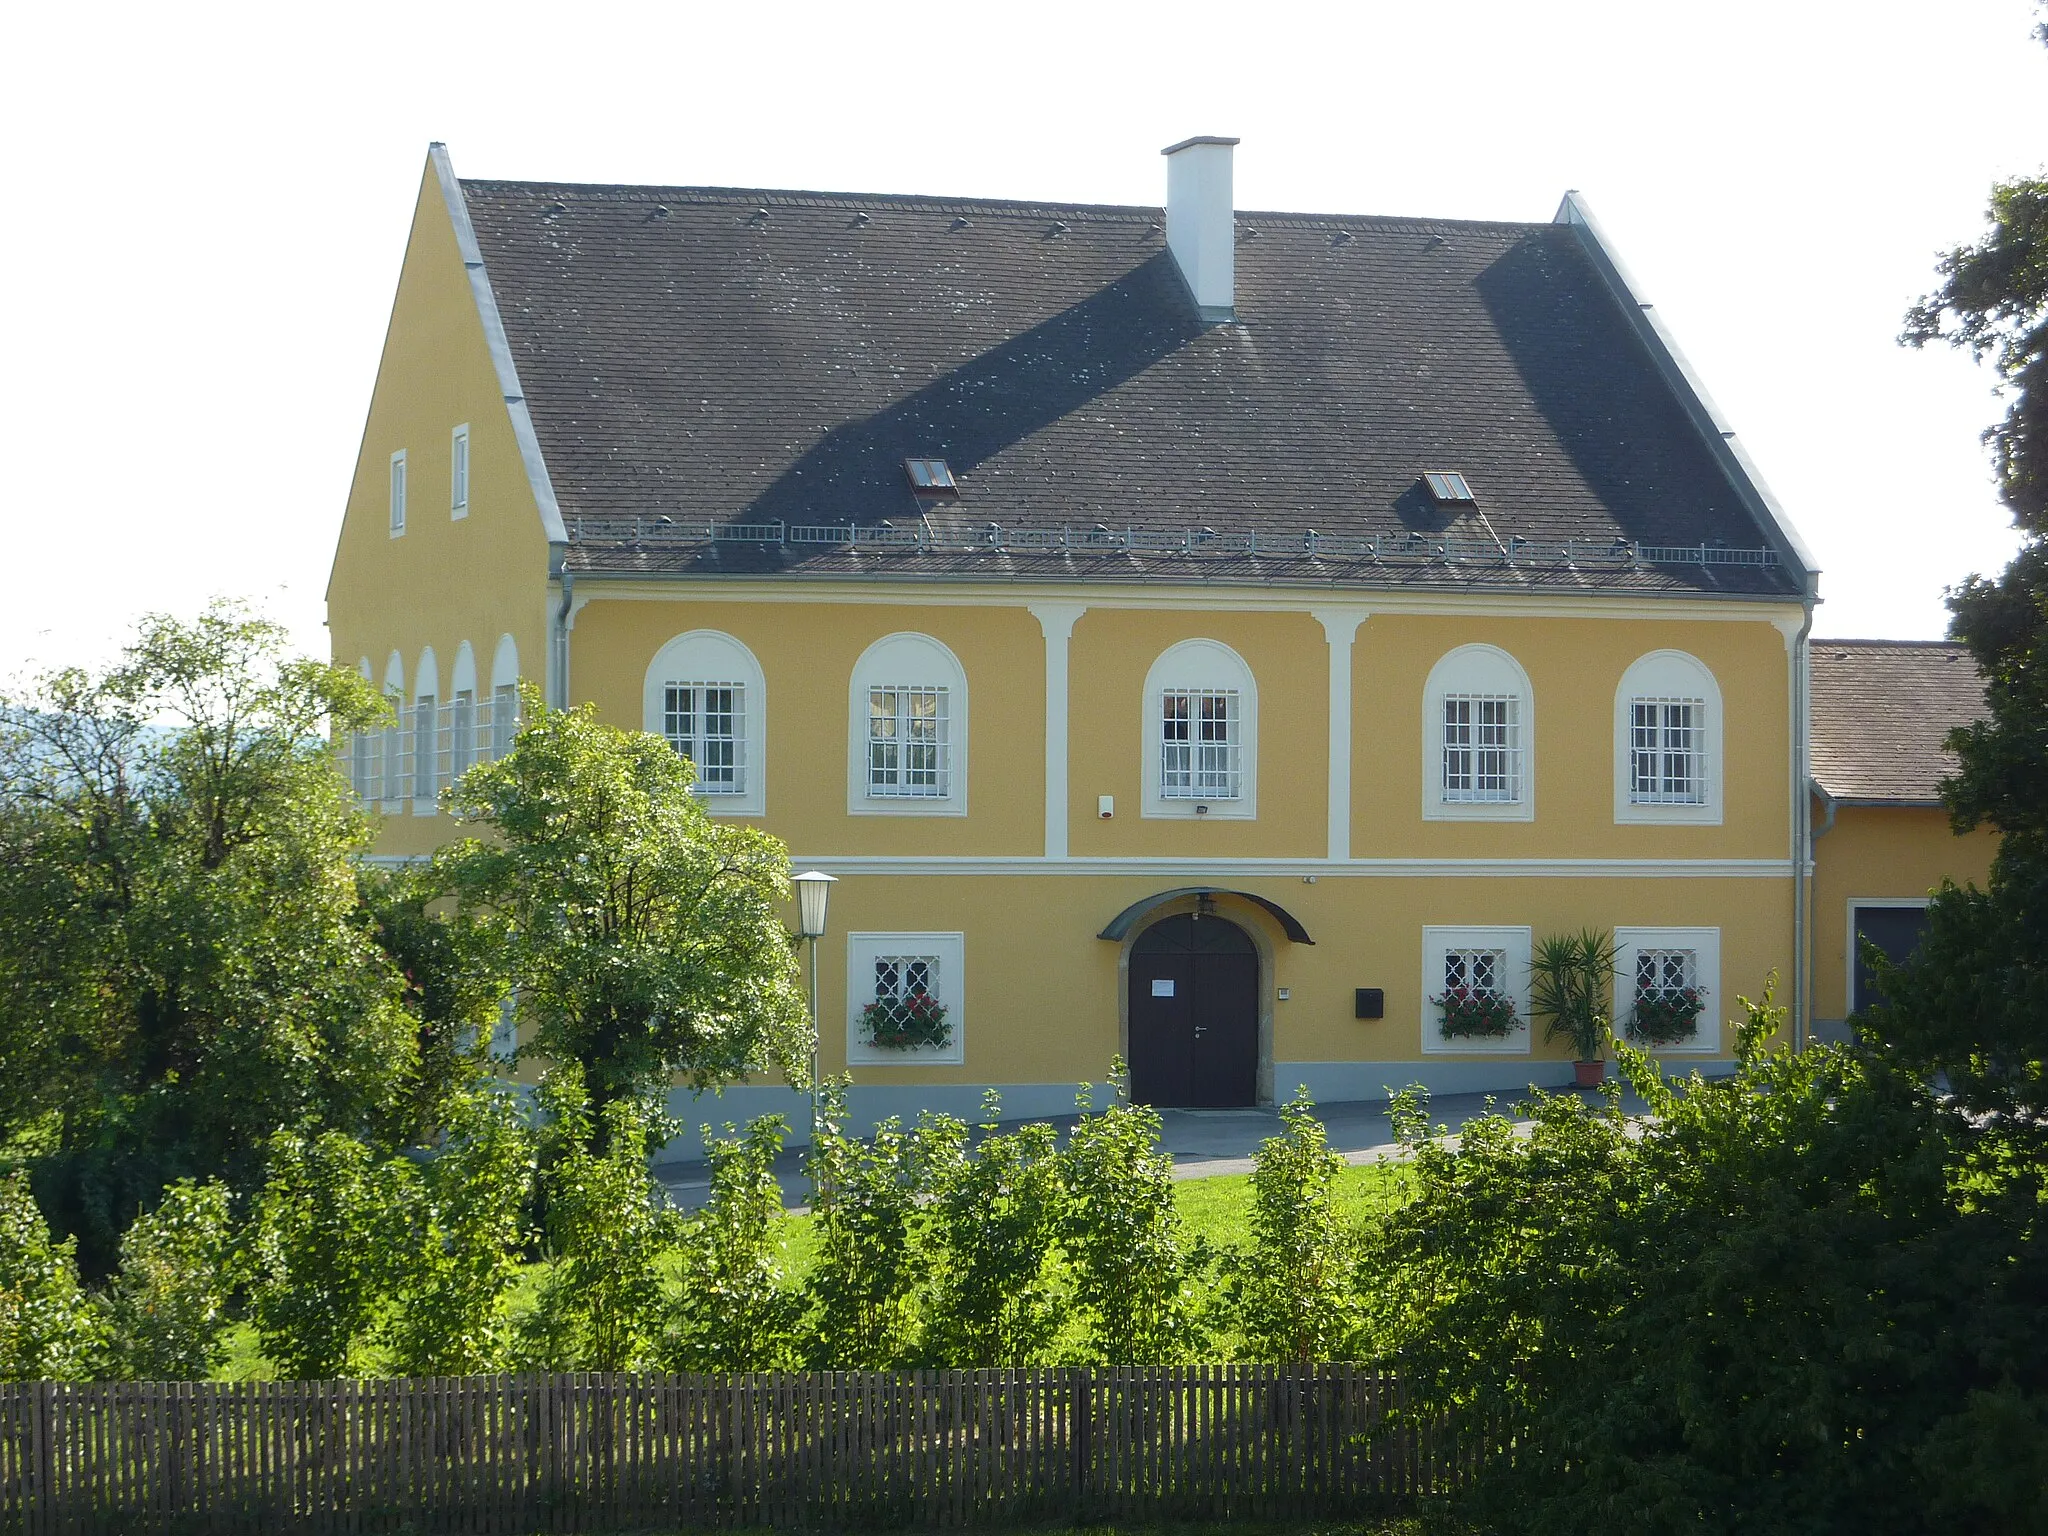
(1121, 925)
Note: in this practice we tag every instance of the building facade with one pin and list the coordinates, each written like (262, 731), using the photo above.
(1219, 639)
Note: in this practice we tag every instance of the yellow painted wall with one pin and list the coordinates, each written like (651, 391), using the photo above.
(1880, 851)
(445, 581)
(1042, 991)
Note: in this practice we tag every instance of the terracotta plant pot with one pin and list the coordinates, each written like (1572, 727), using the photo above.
(1591, 1074)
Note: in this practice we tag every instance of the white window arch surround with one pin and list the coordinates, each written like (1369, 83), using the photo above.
(706, 695)
(1667, 741)
(423, 720)
(907, 729)
(504, 704)
(1480, 765)
(394, 773)
(461, 714)
(1204, 761)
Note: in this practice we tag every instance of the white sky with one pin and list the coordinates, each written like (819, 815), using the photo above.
(207, 205)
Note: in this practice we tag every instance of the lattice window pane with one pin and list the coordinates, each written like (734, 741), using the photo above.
(1201, 748)
(1665, 972)
(1476, 971)
(461, 734)
(706, 722)
(504, 718)
(1667, 752)
(909, 742)
(1482, 752)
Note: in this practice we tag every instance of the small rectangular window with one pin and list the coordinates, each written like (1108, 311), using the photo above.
(706, 722)
(1201, 751)
(504, 718)
(909, 743)
(1482, 756)
(398, 493)
(461, 734)
(931, 477)
(426, 750)
(1667, 757)
(1447, 485)
(458, 473)
(1475, 972)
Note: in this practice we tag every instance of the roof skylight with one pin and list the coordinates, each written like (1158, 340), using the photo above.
(931, 477)
(1447, 485)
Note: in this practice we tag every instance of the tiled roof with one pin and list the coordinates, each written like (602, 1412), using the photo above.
(1880, 711)
(720, 357)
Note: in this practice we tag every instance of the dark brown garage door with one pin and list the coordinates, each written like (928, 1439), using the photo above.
(1194, 1013)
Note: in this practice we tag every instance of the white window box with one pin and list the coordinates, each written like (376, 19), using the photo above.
(1671, 954)
(1446, 960)
(897, 970)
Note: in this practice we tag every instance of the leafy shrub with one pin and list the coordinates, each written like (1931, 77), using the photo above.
(467, 1234)
(608, 1226)
(1292, 1290)
(869, 1207)
(1134, 1269)
(48, 1329)
(737, 1310)
(167, 1310)
(996, 1216)
(330, 1229)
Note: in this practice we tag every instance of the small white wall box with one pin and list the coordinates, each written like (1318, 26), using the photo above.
(1105, 806)
(1283, 994)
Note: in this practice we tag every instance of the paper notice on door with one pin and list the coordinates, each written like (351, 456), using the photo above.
(1162, 987)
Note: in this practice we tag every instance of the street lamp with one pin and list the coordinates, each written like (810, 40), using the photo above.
(813, 891)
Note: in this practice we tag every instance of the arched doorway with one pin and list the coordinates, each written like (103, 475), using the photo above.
(1194, 1014)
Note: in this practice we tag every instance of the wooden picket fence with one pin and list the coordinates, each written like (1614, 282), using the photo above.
(503, 1454)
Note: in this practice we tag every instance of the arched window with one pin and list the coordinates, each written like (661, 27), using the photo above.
(1478, 738)
(1201, 733)
(504, 696)
(705, 694)
(1667, 741)
(907, 736)
(429, 770)
(461, 713)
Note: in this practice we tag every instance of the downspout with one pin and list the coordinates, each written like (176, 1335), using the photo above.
(565, 618)
(1829, 805)
(1802, 828)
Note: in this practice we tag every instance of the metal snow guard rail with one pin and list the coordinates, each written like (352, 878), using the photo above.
(1186, 542)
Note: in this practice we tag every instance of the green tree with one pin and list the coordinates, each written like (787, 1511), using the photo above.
(329, 1249)
(996, 1297)
(737, 1310)
(1974, 1005)
(167, 1309)
(1135, 1272)
(871, 1209)
(183, 962)
(48, 1328)
(468, 1234)
(609, 1227)
(1292, 1289)
(645, 939)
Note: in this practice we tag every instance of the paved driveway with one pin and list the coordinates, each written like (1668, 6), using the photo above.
(1203, 1143)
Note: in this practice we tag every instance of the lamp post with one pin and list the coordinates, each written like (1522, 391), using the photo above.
(813, 891)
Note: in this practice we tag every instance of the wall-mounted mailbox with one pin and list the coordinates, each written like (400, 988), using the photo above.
(1370, 1003)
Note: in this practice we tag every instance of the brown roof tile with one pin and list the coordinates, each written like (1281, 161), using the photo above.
(1880, 711)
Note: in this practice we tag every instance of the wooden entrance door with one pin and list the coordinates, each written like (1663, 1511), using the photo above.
(1194, 1011)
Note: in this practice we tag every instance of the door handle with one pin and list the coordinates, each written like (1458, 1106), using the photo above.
(1201, 1029)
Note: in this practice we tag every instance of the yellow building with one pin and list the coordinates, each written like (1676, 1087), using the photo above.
(1209, 637)
(1881, 839)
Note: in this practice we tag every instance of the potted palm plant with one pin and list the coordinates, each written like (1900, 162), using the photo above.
(1570, 979)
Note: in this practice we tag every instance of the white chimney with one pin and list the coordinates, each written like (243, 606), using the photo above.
(1201, 223)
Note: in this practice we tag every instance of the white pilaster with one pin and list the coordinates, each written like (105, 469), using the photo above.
(1340, 628)
(1057, 621)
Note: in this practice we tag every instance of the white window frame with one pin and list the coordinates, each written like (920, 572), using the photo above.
(1665, 677)
(504, 699)
(1478, 672)
(1438, 942)
(863, 950)
(1705, 943)
(424, 779)
(458, 473)
(701, 658)
(398, 494)
(1849, 938)
(908, 661)
(394, 783)
(1196, 668)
